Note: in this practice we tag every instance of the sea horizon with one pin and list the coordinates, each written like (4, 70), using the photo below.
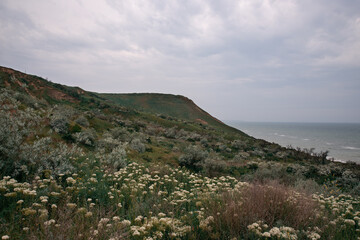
(340, 139)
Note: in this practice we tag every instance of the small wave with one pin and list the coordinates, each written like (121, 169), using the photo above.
(286, 136)
(306, 139)
(335, 160)
(329, 143)
(350, 148)
(339, 160)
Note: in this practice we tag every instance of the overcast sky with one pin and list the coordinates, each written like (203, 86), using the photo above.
(250, 60)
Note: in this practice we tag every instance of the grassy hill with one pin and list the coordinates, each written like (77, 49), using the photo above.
(83, 165)
(175, 106)
(168, 105)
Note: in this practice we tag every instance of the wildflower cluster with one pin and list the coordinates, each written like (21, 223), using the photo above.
(158, 202)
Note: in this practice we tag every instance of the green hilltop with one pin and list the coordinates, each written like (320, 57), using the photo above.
(175, 106)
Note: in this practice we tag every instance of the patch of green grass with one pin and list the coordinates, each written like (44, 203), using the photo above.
(100, 125)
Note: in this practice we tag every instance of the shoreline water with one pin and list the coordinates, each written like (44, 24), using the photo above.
(341, 140)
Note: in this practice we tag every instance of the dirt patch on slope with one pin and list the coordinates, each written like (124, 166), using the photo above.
(56, 94)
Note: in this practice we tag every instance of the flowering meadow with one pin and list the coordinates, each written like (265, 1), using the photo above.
(148, 201)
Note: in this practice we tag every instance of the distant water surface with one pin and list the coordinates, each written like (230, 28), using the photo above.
(342, 140)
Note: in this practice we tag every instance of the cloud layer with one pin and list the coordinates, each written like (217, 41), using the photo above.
(257, 60)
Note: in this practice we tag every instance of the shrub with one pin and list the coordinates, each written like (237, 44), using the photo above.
(241, 157)
(192, 137)
(43, 155)
(74, 129)
(107, 143)
(237, 144)
(273, 205)
(60, 119)
(308, 186)
(204, 142)
(170, 132)
(117, 158)
(193, 158)
(15, 127)
(154, 130)
(182, 134)
(12, 135)
(120, 134)
(263, 172)
(86, 137)
(137, 145)
(212, 166)
(219, 147)
(29, 100)
(82, 121)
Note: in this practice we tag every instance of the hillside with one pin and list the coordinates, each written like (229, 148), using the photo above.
(40, 88)
(175, 106)
(83, 165)
(169, 105)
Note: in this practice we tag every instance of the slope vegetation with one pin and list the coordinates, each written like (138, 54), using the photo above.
(82, 165)
(163, 105)
(175, 106)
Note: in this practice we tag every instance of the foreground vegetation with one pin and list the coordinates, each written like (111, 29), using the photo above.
(154, 202)
(74, 165)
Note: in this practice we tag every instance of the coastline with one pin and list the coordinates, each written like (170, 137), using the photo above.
(341, 140)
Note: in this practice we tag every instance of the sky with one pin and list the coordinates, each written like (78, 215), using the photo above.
(248, 60)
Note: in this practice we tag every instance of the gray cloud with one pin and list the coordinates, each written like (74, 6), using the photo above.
(250, 59)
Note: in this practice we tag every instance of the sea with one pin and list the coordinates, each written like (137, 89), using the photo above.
(342, 140)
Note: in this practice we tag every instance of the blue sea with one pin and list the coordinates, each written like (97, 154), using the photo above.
(342, 140)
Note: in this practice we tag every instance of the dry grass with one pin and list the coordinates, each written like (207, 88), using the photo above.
(274, 204)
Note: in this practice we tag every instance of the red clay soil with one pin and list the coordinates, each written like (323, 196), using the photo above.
(60, 95)
(201, 121)
(39, 85)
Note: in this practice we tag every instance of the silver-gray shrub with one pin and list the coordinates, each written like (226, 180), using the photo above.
(154, 130)
(170, 132)
(193, 137)
(107, 143)
(213, 164)
(29, 100)
(114, 160)
(117, 158)
(120, 134)
(220, 146)
(204, 142)
(82, 121)
(238, 144)
(15, 126)
(308, 186)
(193, 157)
(60, 118)
(86, 137)
(137, 145)
(241, 157)
(182, 134)
(42, 155)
